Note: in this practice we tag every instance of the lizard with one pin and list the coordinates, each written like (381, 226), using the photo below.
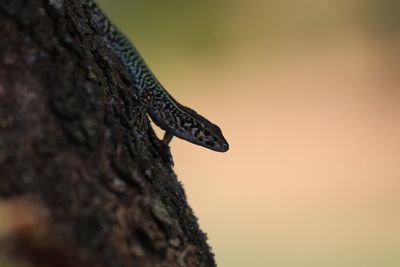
(167, 113)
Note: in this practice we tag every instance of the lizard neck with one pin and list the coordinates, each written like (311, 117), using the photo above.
(175, 118)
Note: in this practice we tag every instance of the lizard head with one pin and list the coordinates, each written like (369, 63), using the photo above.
(211, 137)
(202, 132)
(187, 124)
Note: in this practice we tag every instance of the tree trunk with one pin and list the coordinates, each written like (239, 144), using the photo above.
(78, 154)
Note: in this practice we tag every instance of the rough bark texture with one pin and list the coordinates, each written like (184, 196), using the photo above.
(73, 138)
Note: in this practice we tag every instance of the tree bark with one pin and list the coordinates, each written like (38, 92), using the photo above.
(74, 141)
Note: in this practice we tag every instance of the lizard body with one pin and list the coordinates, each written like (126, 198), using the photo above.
(164, 110)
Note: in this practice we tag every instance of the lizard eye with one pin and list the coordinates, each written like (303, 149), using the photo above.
(210, 143)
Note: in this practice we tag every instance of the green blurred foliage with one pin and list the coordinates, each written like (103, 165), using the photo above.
(158, 25)
(382, 16)
(163, 30)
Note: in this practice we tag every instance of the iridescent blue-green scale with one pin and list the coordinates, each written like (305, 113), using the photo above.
(138, 71)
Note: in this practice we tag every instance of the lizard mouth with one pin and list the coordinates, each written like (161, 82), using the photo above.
(224, 147)
(221, 148)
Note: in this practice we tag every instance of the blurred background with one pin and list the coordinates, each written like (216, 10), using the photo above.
(307, 93)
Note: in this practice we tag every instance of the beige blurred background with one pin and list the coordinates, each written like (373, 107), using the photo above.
(307, 92)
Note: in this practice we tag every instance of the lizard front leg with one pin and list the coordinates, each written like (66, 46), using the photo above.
(167, 137)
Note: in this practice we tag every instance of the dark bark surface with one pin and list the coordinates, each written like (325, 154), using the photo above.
(73, 136)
